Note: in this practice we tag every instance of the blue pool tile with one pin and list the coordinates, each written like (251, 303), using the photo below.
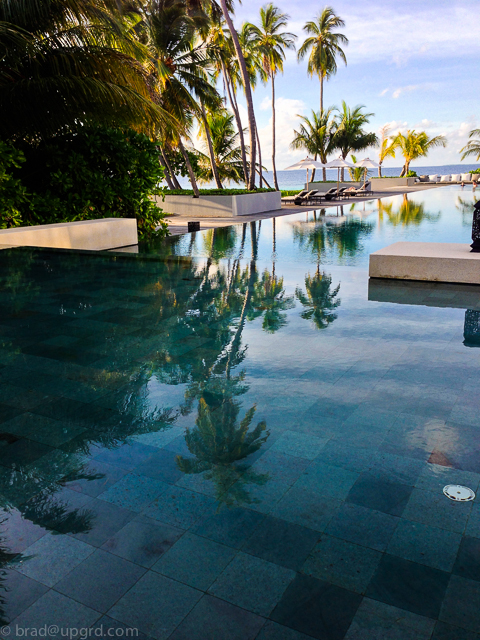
(231, 527)
(94, 478)
(142, 541)
(8, 413)
(363, 526)
(462, 604)
(155, 605)
(473, 524)
(105, 519)
(424, 544)
(341, 454)
(161, 465)
(195, 561)
(49, 559)
(281, 542)
(22, 452)
(444, 631)
(280, 467)
(398, 468)
(106, 628)
(252, 583)
(18, 593)
(274, 631)
(18, 532)
(299, 445)
(409, 585)
(437, 510)
(379, 620)
(42, 429)
(134, 492)
(435, 477)
(306, 508)
(342, 563)
(100, 580)
(468, 559)
(214, 618)
(127, 456)
(180, 507)
(327, 480)
(316, 608)
(56, 609)
(259, 496)
(375, 491)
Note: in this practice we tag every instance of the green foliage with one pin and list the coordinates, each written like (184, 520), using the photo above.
(98, 173)
(475, 171)
(412, 174)
(217, 192)
(13, 194)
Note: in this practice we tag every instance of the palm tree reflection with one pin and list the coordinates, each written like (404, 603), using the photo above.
(319, 299)
(408, 213)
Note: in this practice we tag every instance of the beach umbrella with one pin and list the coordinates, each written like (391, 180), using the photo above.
(339, 163)
(368, 164)
(307, 163)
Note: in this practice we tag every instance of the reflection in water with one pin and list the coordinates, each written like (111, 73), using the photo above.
(466, 209)
(471, 328)
(408, 213)
(319, 299)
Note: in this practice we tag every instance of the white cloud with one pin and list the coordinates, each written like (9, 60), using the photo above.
(384, 92)
(287, 110)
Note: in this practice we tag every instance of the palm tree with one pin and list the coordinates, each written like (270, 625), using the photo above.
(387, 148)
(227, 153)
(473, 146)
(324, 46)
(357, 173)
(350, 135)
(252, 127)
(415, 145)
(180, 64)
(316, 136)
(270, 42)
(67, 63)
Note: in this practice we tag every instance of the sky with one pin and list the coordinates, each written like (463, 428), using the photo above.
(414, 65)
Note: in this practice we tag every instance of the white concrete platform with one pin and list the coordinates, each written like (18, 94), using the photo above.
(244, 204)
(90, 235)
(428, 261)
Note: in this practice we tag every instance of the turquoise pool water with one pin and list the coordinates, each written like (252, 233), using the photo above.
(233, 435)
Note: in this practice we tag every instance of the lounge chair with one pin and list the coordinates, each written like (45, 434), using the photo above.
(333, 194)
(291, 199)
(364, 191)
(303, 200)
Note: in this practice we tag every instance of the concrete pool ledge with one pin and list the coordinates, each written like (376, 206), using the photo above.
(90, 235)
(427, 261)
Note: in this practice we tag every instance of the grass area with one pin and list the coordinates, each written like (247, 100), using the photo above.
(215, 192)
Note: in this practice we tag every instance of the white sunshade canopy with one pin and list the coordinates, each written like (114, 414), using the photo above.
(340, 163)
(306, 163)
(367, 163)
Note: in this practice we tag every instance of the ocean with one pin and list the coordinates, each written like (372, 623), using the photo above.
(296, 179)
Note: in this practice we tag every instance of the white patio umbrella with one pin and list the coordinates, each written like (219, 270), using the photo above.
(307, 163)
(339, 163)
(368, 164)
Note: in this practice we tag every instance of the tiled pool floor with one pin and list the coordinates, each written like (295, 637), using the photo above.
(200, 450)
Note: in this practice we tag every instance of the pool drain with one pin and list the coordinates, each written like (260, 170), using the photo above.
(458, 493)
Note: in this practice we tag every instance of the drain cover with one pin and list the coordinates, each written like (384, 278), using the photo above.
(458, 493)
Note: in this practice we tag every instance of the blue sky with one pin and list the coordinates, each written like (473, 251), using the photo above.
(413, 64)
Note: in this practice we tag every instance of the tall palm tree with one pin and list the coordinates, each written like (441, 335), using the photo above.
(65, 63)
(415, 145)
(317, 136)
(324, 45)
(225, 146)
(473, 146)
(387, 148)
(179, 63)
(350, 135)
(252, 127)
(271, 42)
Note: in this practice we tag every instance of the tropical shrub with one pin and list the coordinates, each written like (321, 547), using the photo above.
(13, 194)
(216, 192)
(411, 174)
(97, 173)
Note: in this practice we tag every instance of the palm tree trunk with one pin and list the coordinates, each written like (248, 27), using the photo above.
(216, 175)
(321, 93)
(313, 170)
(165, 170)
(379, 169)
(275, 181)
(233, 103)
(324, 174)
(196, 192)
(176, 184)
(260, 169)
(248, 93)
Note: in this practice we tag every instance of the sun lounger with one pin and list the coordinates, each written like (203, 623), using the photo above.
(303, 200)
(291, 199)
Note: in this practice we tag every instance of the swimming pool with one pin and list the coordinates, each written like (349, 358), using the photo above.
(232, 435)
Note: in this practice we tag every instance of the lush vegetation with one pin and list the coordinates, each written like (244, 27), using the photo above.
(216, 192)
